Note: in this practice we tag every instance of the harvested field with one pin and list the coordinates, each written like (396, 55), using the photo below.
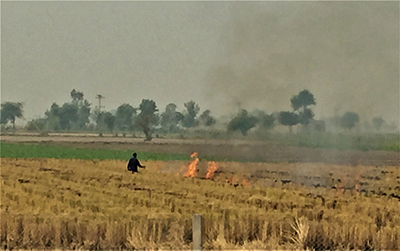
(286, 198)
(71, 204)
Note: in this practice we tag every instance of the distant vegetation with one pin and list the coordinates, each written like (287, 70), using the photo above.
(242, 122)
(10, 111)
(78, 115)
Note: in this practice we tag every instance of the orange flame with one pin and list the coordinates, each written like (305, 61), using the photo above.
(245, 183)
(192, 169)
(212, 167)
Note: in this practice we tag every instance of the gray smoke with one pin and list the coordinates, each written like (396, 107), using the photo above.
(345, 53)
(220, 54)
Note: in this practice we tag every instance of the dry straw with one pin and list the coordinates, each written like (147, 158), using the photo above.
(97, 205)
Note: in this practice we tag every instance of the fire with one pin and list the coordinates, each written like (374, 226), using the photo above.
(245, 183)
(212, 167)
(192, 169)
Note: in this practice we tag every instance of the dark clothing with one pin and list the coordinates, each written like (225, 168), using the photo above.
(133, 165)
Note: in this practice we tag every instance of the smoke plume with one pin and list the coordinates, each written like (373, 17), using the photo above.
(345, 53)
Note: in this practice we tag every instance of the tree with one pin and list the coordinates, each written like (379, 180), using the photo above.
(124, 117)
(76, 95)
(170, 118)
(10, 111)
(288, 119)
(242, 122)
(105, 121)
(53, 123)
(83, 114)
(72, 115)
(349, 120)
(377, 122)
(36, 124)
(53, 118)
(305, 116)
(206, 118)
(300, 102)
(147, 117)
(54, 110)
(264, 120)
(109, 120)
(68, 115)
(190, 115)
(83, 109)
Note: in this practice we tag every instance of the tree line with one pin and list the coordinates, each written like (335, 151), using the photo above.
(78, 115)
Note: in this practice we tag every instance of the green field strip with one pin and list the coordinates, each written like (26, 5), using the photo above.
(8, 150)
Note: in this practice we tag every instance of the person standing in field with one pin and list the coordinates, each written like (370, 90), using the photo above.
(134, 163)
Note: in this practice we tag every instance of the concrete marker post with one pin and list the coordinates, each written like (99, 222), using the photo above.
(198, 232)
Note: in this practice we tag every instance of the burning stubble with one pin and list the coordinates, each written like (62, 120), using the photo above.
(192, 169)
(212, 167)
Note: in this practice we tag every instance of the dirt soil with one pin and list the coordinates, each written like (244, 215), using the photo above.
(238, 150)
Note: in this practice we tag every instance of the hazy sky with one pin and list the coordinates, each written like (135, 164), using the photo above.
(222, 55)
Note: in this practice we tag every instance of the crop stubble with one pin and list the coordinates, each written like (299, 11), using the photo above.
(98, 205)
